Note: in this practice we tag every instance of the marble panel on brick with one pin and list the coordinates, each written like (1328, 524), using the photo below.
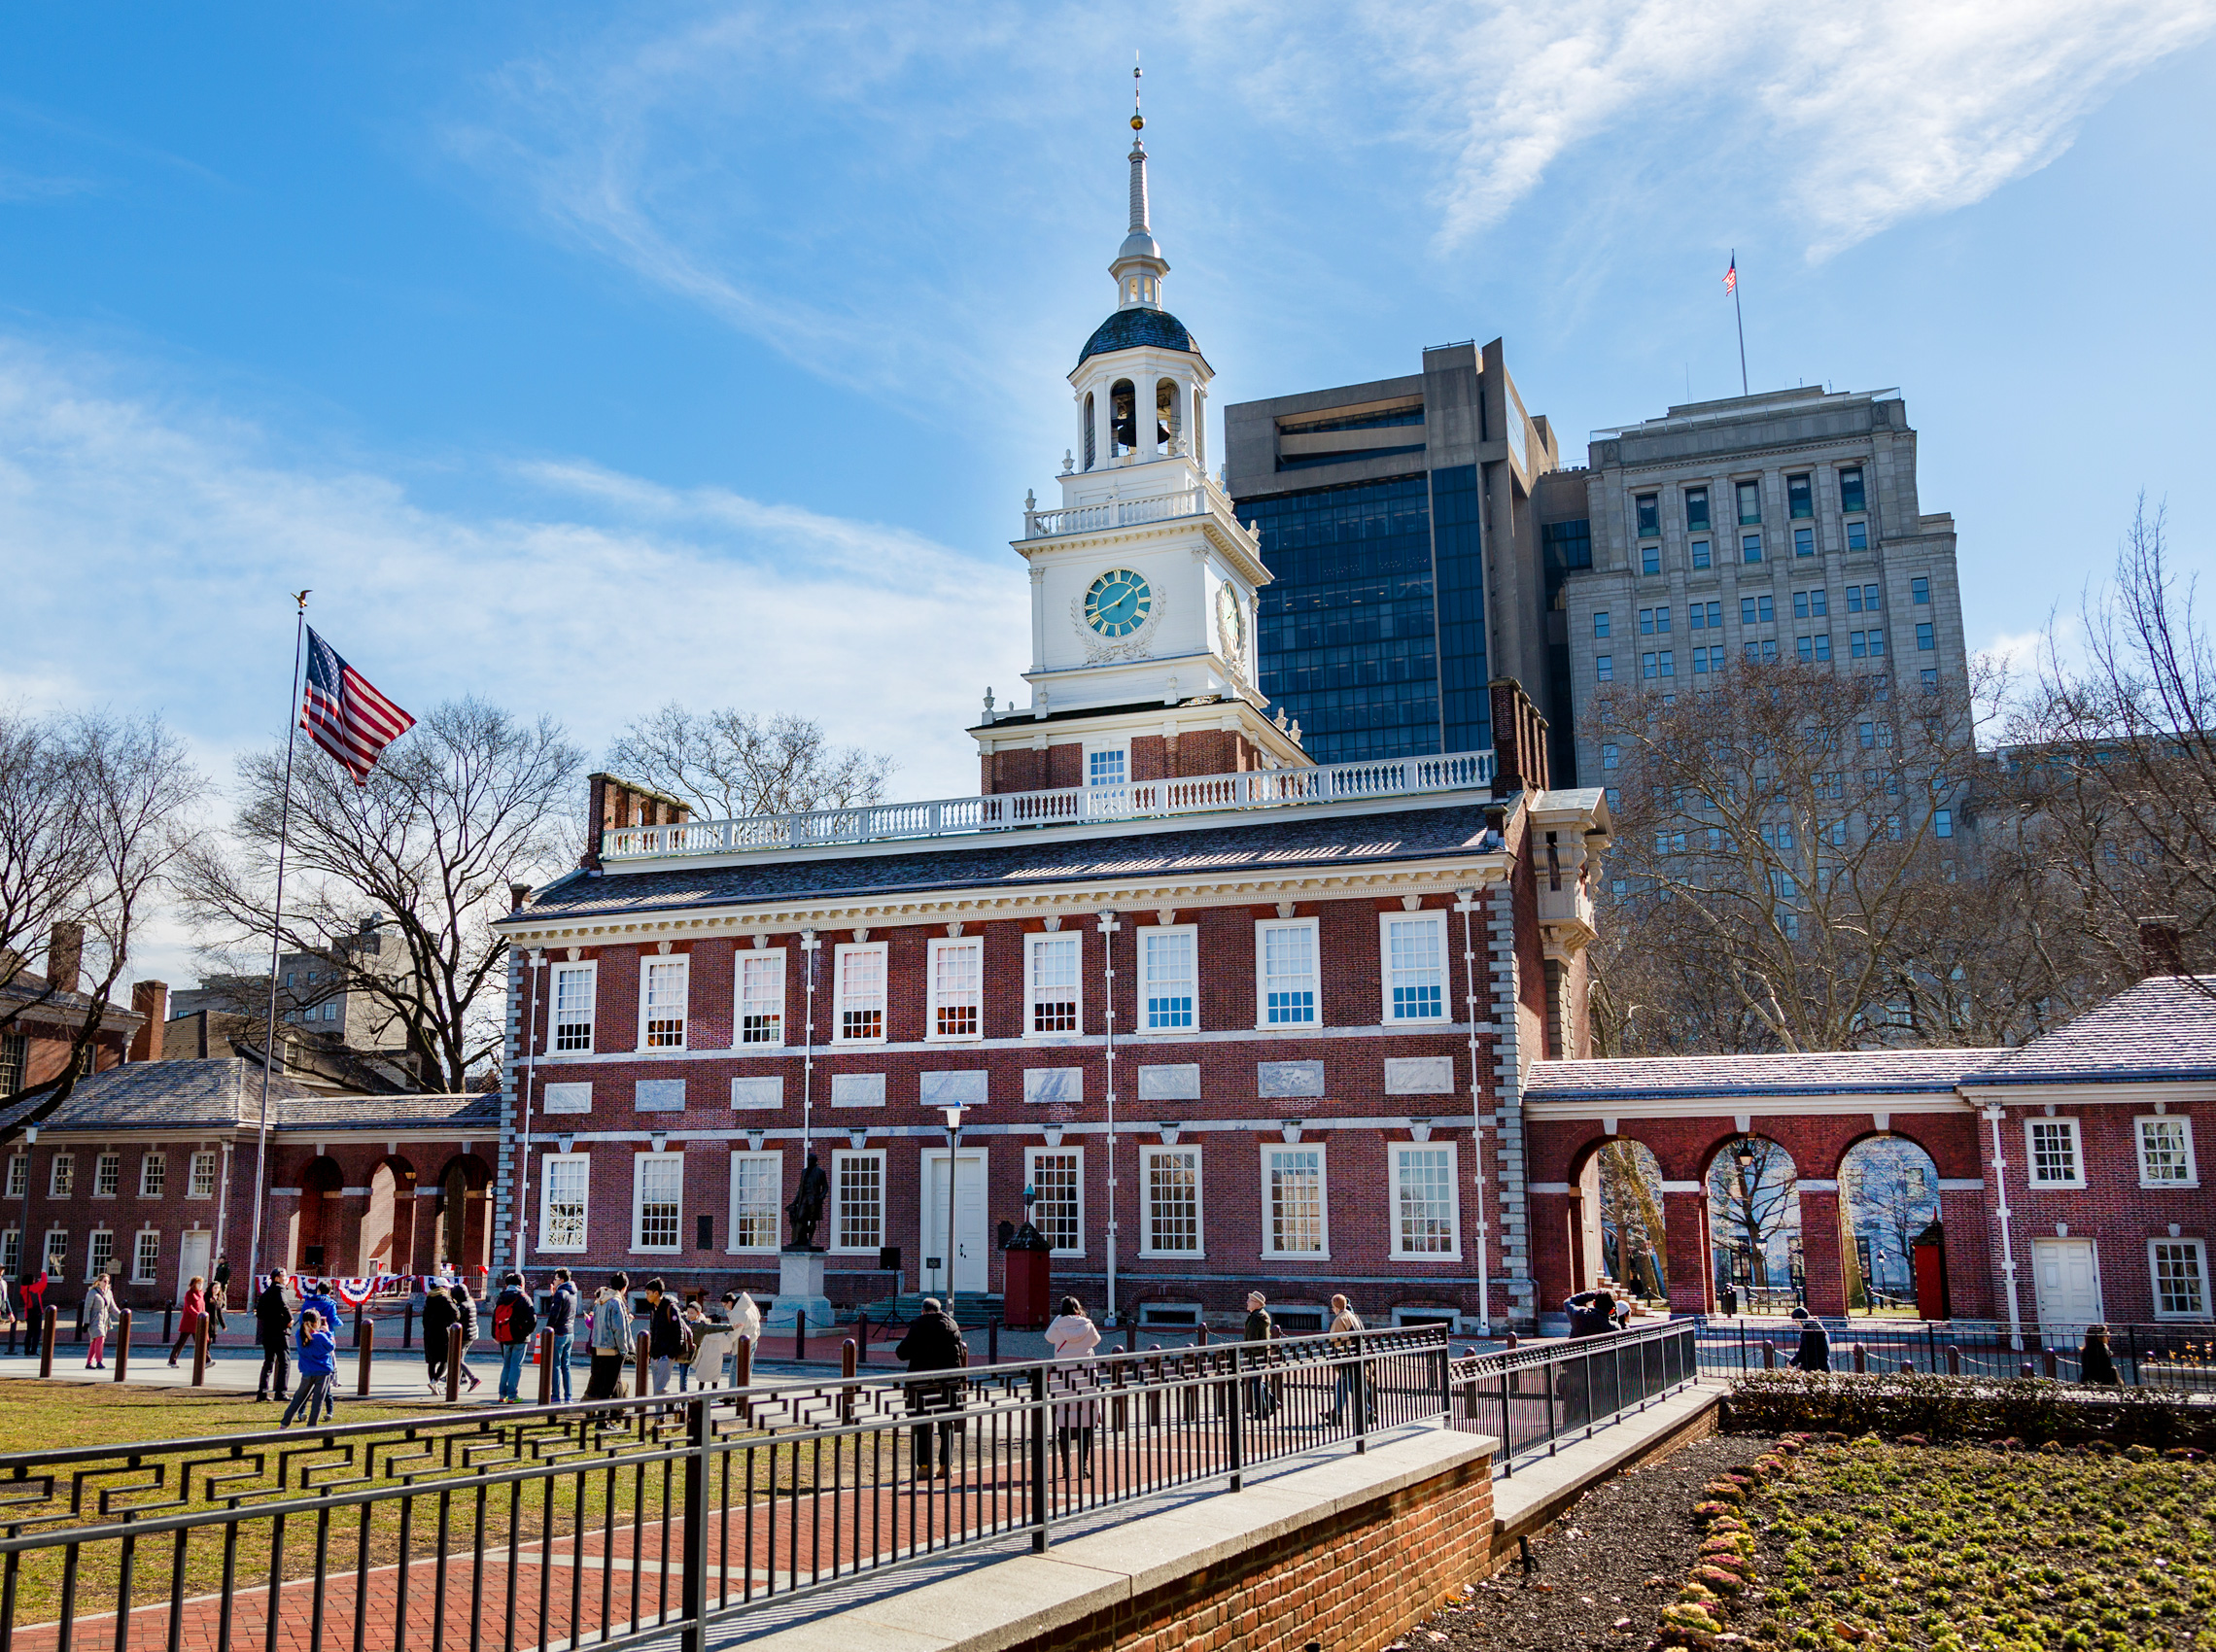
(1419, 1075)
(1054, 1086)
(1178, 1082)
(857, 1090)
(659, 1095)
(1289, 1078)
(758, 1092)
(963, 1087)
(568, 1098)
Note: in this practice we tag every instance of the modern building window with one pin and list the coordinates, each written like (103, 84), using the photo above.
(1865, 644)
(1800, 498)
(858, 1188)
(1810, 604)
(1171, 1179)
(662, 1003)
(1942, 823)
(762, 996)
(2166, 1152)
(1168, 978)
(2180, 1270)
(1857, 536)
(1649, 509)
(1609, 756)
(1668, 662)
(200, 1179)
(1804, 542)
(1749, 502)
(1650, 559)
(1647, 665)
(1850, 501)
(2052, 1152)
(61, 1175)
(1696, 509)
(1919, 591)
(563, 1180)
(1862, 599)
(1285, 951)
(101, 1254)
(657, 1194)
(1930, 679)
(1756, 610)
(1424, 1202)
(1051, 986)
(1603, 668)
(146, 1258)
(1293, 1202)
(1057, 1176)
(1924, 643)
(1415, 950)
(573, 1007)
(757, 1185)
(1812, 648)
(1600, 622)
(957, 987)
(153, 1175)
(107, 1175)
(859, 985)
(1750, 547)
(1701, 556)
(1661, 619)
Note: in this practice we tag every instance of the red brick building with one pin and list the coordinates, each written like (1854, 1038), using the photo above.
(44, 1012)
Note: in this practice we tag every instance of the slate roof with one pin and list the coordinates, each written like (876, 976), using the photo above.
(226, 1094)
(1125, 328)
(1293, 839)
(476, 1110)
(2163, 1028)
(25, 986)
(1831, 1071)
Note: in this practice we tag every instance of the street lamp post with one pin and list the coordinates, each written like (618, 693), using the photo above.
(953, 1117)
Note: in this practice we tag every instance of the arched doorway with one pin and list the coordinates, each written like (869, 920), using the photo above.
(1635, 1241)
(1754, 1226)
(1888, 1195)
(459, 1230)
(319, 1240)
(388, 1226)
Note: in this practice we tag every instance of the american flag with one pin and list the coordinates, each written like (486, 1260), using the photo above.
(1731, 275)
(344, 715)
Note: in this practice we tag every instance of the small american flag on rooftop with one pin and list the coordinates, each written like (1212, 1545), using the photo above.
(344, 715)
(1731, 275)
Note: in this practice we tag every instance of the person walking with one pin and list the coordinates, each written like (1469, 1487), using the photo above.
(466, 1310)
(317, 1295)
(667, 1338)
(1344, 1323)
(562, 1320)
(194, 1311)
(99, 1317)
(273, 1333)
(610, 1337)
(1592, 1313)
(34, 1296)
(1261, 1400)
(712, 1354)
(933, 1342)
(1815, 1351)
(746, 1318)
(319, 1363)
(440, 1318)
(219, 1296)
(2095, 1364)
(695, 1328)
(515, 1319)
(1073, 1336)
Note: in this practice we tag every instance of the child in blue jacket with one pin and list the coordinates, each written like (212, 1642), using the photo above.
(319, 1365)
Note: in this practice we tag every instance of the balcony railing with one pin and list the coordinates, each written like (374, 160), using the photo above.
(1070, 805)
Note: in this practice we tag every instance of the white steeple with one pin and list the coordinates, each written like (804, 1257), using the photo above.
(1140, 265)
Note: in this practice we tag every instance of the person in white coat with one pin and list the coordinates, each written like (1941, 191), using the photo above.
(99, 1321)
(1073, 1337)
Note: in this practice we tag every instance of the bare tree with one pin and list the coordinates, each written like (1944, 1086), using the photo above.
(729, 764)
(1758, 1203)
(94, 814)
(1890, 1184)
(1631, 1210)
(468, 803)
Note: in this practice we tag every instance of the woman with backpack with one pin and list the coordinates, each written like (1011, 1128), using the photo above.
(515, 1319)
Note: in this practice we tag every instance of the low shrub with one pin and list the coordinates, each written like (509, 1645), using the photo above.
(2014, 1413)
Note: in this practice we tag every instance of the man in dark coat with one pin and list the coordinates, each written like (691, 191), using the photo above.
(933, 1342)
(1815, 1351)
(668, 1340)
(1592, 1313)
(273, 1330)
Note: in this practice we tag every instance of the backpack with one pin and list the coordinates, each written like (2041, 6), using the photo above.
(515, 1319)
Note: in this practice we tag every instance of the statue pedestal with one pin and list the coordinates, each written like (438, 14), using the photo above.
(800, 1290)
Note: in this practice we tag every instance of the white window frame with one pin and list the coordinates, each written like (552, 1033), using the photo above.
(681, 963)
(837, 1213)
(193, 1163)
(61, 1174)
(2191, 1177)
(1149, 1158)
(1272, 1153)
(153, 1175)
(108, 1168)
(638, 1174)
(19, 1174)
(841, 960)
(53, 1250)
(2199, 1251)
(1396, 1156)
(94, 1266)
(1032, 945)
(1262, 931)
(735, 1217)
(146, 1264)
(1146, 939)
(548, 1166)
(1116, 749)
(973, 945)
(558, 1020)
(2032, 1175)
(768, 966)
(1031, 1158)
(1436, 922)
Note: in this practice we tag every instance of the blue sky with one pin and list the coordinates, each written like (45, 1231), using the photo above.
(589, 357)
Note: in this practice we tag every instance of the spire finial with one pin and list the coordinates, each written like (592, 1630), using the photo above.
(1138, 120)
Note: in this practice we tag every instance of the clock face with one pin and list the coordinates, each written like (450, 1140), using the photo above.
(1231, 624)
(1118, 604)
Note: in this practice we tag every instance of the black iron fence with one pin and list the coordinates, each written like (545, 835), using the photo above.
(2180, 1356)
(1540, 1398)
(610, 1523)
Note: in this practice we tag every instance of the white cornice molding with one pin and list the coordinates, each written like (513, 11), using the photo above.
(2092, 1092)
(1545, 1109)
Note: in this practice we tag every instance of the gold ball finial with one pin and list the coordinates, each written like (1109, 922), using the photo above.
(1138, 123)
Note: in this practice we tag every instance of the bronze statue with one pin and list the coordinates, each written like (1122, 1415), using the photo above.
(807, 1206)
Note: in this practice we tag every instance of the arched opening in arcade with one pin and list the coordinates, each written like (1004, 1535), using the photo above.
(461, 1228)
(388, 1226)
(318, 1240)
(1755, 1227)
(1123, 418)
(1624, 1182)
(1890, 1242)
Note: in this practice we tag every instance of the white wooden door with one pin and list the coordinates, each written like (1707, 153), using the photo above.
(193, 1258)
(969, 1259)
(2066, 1274)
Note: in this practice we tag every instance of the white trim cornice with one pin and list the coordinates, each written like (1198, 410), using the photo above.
(1543, 1109)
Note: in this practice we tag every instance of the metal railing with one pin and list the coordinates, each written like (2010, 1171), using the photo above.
(2179, 1356)
(1069, 806)
(611, 1522)
(1540, 1398)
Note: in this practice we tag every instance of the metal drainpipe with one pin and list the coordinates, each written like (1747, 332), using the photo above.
(1467, 905)
(1108, 928)
(535, 962)
(1995, 1115)
(810, 945)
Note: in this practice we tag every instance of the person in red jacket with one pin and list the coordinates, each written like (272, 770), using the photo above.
(194, 1311)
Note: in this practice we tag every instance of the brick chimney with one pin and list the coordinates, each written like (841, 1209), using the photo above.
(2160, 953)
(1519, 740)
(151, 999)
(65, 956)
(616, 803)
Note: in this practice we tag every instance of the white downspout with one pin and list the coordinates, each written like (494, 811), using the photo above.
(1997, 1114)
(1467, 904)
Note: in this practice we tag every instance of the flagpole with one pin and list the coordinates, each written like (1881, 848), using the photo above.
(276, 927)
(1740, 319)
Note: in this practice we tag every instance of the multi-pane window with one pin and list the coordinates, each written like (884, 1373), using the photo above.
(1750, 547)
(1862, 599)
(756, 1182)
(563, 1180)
(101, 1254)
(2053, 1146)
(1800, 496)
(1811, 605)
(1108, 767)
(1707, 616)
(2166, 1153)
(1814, 647)
(1610, 755)
(1650, 559)
(107, 1175)
(1804, 542)
(1866, 644)
(1051, 972)
(1416, 967)
(1600, 622)
(1287, 953)
(1172, 1180)
(1942, 823)
(1857, 536)
(1923, 640)
(572, 1006)
(657, 1194)
(1649, 509)
(18, 1176)
(1293, 1201)
(1603, 668)
(957, 988)
(56, 1250)
(153, 1175)
(61, 1175)
(1058, 1176)
(1424, 1205)
(12, 1252)
(1696, 509)
(663, 1003)
(146, 1258)
(1701, 556)
(859, 985)
(1750, 502)
(1168, 978)
(857, 1187)
(1756, 610)
(761, 997)
(1652, 620)
(1919, 591)
(2180, 1268)
(15, 1055)
(1850, 501)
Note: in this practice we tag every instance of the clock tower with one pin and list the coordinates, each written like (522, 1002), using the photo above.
(1143, 647)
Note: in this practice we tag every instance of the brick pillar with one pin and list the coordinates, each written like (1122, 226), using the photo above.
(1692, 1269)
(151, 999)
(1819, 1248)
(1553, 1251)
